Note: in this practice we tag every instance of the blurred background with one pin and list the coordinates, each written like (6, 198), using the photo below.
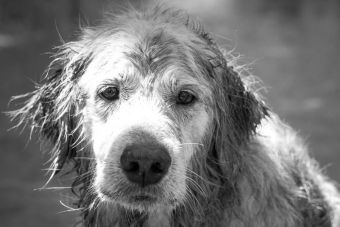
(293, 46)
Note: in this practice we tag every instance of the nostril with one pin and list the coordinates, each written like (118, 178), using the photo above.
(157, 168)
(132, 167)
(129, 164)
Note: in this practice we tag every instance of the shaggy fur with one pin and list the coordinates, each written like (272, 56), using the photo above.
(234, 162)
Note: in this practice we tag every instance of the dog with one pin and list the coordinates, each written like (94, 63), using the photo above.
(163, 128)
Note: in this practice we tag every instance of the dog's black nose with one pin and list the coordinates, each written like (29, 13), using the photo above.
(145, 164)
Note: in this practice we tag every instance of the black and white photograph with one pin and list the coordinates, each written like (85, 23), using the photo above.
(155, 113)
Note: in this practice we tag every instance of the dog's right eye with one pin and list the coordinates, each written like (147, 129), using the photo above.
(185, 98)
(109, 93)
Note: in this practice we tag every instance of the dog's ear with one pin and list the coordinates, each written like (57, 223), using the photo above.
(51, 110)
(237, 109)
(240, 108)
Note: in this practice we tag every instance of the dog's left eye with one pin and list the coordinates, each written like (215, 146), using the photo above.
(185, 98)
(109, 93)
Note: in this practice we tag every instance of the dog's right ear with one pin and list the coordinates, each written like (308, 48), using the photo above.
(51, 110)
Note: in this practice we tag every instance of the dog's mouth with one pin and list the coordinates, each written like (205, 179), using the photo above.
(143, 198)
(143, 201)
(136, 199)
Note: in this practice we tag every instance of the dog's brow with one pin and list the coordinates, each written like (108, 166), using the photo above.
(155, 53)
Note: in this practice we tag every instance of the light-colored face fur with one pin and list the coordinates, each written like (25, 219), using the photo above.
(145, 111)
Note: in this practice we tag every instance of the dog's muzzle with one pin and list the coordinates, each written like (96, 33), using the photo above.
(145, 163)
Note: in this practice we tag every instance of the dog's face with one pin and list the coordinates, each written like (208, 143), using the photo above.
(151, 99)
(146, 113)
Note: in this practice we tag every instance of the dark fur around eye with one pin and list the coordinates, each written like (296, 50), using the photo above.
(109, 93)
(185, 98)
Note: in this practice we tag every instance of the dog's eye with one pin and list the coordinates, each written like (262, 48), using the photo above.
(185, 98)
(109, 93)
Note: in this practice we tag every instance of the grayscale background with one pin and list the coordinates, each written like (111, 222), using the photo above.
(293, 45)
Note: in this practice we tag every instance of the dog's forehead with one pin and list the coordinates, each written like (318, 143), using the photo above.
(150, 55)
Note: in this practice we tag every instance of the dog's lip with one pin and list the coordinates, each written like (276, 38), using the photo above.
(140, 197)
(135, 199)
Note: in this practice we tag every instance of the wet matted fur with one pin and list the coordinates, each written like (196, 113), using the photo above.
(233, 161)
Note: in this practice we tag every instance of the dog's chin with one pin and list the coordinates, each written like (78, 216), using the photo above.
(141, 201)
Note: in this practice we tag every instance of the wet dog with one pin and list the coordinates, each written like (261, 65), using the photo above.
(163, 128)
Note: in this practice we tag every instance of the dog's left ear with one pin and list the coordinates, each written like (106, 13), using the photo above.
(237, 113)
(51, 110)
(237, 109)
(240, 108)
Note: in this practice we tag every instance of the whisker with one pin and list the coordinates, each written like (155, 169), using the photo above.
(52, 188)
(196, 185)
(202, 179)
(50, 169)
(69, 209)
